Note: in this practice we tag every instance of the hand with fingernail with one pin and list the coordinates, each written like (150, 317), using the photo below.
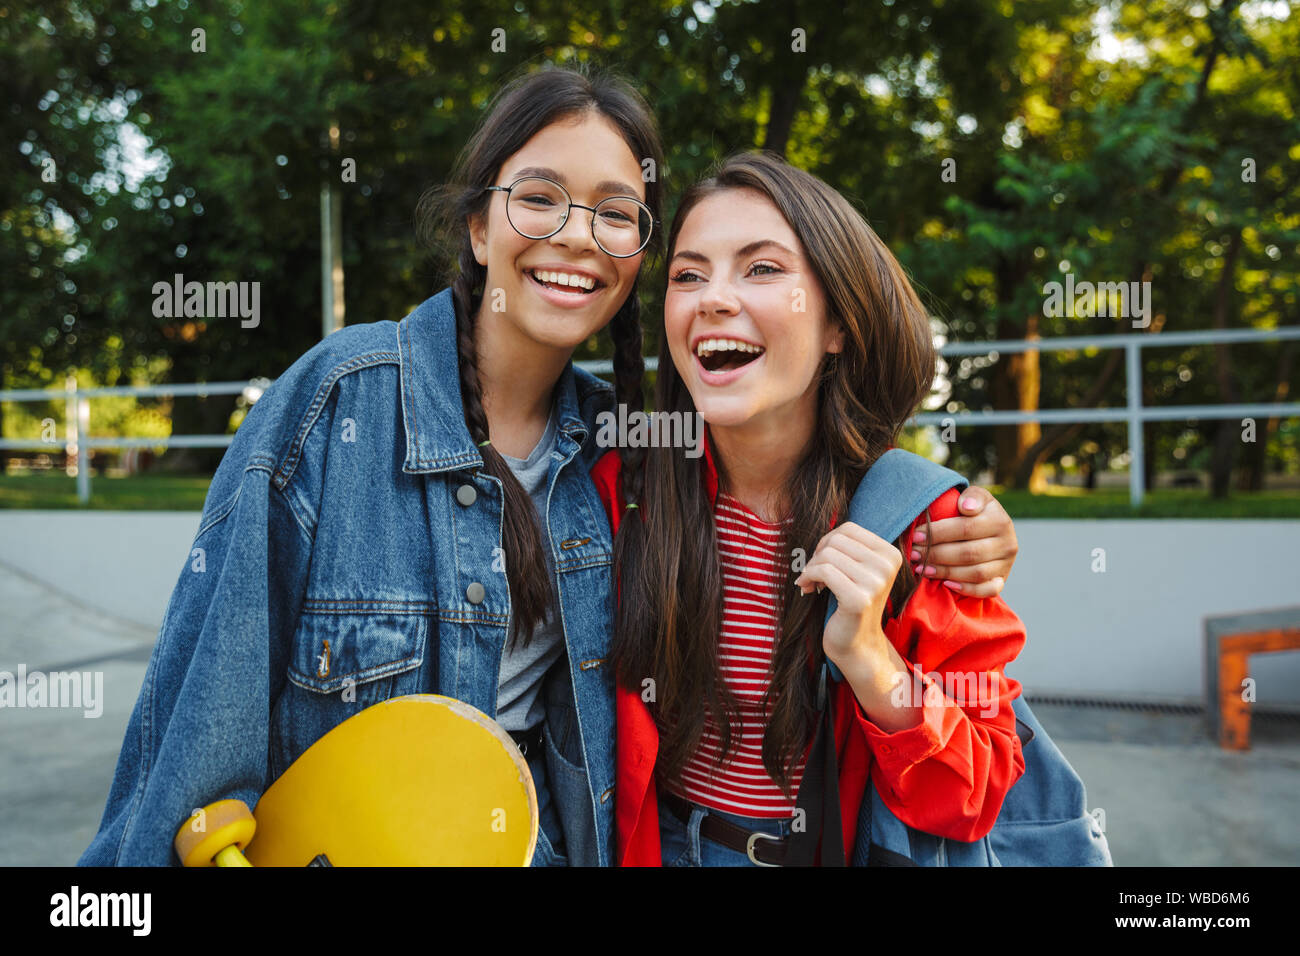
(973, 553)
(859, 567)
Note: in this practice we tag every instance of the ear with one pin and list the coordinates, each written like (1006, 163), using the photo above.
(835, 338)
(478, 237)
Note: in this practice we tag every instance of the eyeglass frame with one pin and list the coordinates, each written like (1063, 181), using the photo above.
(565, 221)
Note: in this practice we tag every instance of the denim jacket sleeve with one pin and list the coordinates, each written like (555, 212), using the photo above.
(199, 731)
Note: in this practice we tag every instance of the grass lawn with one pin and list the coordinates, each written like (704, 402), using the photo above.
(186, 493)
(1161, 503)
(137, 493)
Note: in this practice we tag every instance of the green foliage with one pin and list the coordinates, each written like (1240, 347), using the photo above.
(1113, 165)
(1162, 503)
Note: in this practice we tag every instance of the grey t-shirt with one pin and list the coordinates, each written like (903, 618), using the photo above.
(519, 703)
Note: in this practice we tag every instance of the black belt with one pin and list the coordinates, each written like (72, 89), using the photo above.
(765, 849)
(528, 741)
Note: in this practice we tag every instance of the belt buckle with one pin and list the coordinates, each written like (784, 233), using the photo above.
(749, 847)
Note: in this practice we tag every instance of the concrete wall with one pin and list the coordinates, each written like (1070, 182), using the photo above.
(1132, 631)
(1135, 629)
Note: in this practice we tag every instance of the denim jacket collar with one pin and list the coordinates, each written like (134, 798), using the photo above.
(437, 438)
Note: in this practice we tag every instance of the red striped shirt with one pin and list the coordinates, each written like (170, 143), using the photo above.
(754, 570)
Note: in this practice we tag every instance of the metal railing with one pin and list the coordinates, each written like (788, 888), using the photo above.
(77, 442)
(1134, 412)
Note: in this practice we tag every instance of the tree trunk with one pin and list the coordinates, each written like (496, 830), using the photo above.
(1149, 437)
(4, 452)
(1228, 434)
(1251, 476)
(1016, 385)
(1096, 464)
(785, 102)
(1148, 455)
(1255, 455)
(1226, 439)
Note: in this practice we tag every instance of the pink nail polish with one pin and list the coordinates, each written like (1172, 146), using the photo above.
(916, 555)
(929, 570)
(916, 568)
(954, 585)
(918, 537)
(967, 503)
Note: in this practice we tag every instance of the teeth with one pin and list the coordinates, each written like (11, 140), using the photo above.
(709, 346)
(566, 278)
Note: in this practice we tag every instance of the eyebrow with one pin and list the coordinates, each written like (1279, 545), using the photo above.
(743, 251)
(606, 187)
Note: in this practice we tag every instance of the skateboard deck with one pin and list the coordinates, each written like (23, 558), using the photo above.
(421, 780)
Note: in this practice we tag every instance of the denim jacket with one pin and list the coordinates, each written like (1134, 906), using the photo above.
(347, 549)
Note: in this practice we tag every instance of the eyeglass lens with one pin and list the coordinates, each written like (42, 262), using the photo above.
(537, 208)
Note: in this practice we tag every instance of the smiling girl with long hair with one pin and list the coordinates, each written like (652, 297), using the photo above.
(793, 331)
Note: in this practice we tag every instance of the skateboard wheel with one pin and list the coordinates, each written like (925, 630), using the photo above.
(226, 823)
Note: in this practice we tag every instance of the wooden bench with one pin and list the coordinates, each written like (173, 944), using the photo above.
(1230, 640)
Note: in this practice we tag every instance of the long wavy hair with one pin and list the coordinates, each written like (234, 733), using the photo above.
(521, 109)
(669, 617)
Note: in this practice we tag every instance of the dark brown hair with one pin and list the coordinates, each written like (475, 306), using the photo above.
(521, 109)
(671, 606)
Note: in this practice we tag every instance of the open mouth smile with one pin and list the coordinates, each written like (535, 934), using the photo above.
(718, 355)
(574, 284)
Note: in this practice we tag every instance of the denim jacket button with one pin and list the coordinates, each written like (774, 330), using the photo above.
(466, 495)
(475, 593)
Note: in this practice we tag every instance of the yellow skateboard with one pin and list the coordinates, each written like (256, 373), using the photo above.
(421, 780)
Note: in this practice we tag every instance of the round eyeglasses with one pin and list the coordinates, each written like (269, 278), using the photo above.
(538, 208)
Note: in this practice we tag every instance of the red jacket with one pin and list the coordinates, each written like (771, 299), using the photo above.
(946, 776)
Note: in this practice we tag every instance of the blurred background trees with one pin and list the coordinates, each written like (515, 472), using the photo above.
(1110, 140)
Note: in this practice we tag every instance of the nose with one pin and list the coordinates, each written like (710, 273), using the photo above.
(576, 233)
(718, 296)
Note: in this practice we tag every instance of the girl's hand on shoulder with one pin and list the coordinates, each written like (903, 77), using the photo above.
(859, 567)
(973, 553)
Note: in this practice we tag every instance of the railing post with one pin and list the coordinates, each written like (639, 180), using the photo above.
(70, 424)
(331, 242)
(1137, 464)
(83, 452)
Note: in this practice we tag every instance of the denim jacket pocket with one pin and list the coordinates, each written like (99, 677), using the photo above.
(341, 664)
(334, 651)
